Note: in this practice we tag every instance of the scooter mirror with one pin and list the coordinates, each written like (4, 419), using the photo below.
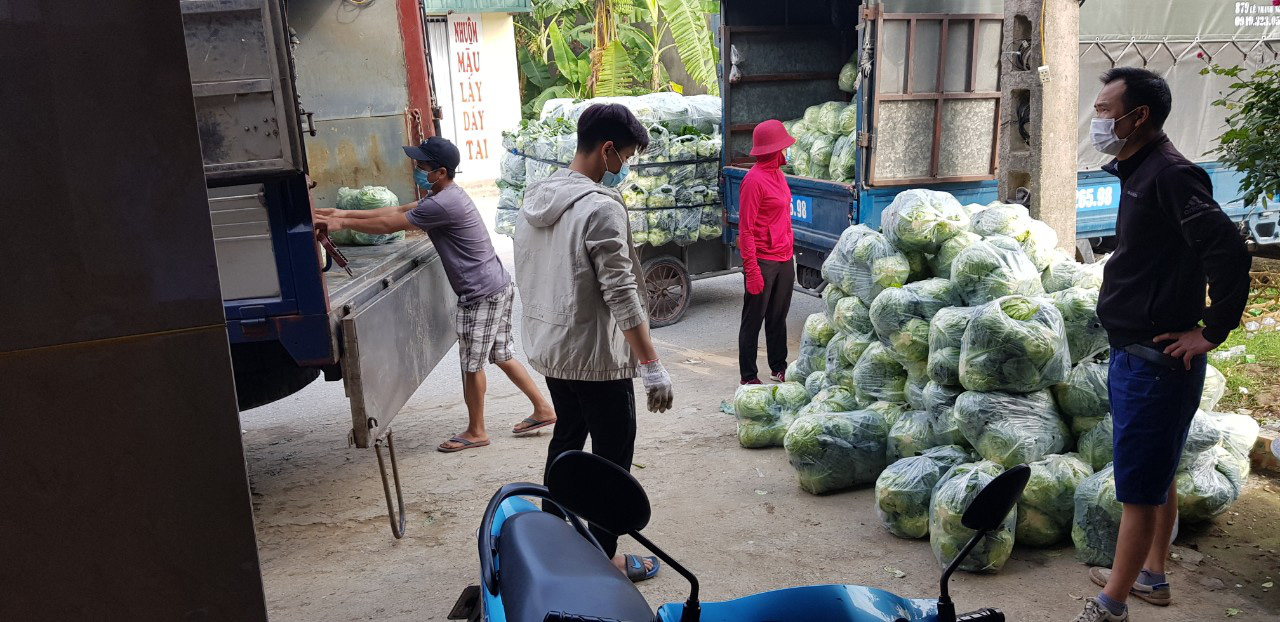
(988, 510)
(598, 491)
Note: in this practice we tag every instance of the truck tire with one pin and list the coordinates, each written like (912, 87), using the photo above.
(667, 288)
(265, 372)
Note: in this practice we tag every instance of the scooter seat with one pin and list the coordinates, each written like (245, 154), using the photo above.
(544, 565)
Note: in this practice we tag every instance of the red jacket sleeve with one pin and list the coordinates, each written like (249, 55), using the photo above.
(748, 209)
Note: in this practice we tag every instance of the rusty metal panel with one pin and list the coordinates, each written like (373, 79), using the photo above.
(392, 342)
(246, 111)
(359, 152)
(349, 58)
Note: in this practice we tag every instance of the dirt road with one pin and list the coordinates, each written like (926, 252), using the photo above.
(733, 516)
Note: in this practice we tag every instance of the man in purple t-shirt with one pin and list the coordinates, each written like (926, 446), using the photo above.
(484, 289)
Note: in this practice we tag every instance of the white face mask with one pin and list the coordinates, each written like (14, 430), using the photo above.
(1102, 132)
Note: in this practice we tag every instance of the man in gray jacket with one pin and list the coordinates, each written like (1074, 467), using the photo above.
(585, 324)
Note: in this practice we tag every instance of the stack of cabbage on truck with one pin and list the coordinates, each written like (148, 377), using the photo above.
(959, 342)
(673, 192)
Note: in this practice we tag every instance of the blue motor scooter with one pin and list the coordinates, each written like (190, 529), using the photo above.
(538, 567)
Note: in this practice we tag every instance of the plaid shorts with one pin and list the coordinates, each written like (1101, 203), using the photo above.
(484, 330)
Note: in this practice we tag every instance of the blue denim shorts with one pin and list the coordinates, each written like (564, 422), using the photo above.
(1151, 410)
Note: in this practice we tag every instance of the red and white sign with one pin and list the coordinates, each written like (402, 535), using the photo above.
(466, 60)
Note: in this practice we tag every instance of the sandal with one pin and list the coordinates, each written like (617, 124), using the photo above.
(635, 567)
(534, 424)
(466, 444)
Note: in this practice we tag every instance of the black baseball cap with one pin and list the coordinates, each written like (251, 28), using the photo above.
(436, 150)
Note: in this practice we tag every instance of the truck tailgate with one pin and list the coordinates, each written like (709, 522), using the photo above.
(394, 322)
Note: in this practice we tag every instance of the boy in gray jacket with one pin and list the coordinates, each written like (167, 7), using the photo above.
(585, 324)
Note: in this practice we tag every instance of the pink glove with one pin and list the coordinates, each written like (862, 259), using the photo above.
(755, 283)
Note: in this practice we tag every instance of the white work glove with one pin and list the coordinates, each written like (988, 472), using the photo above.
(657, 384)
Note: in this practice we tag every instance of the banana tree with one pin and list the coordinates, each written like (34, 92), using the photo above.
(687, 21)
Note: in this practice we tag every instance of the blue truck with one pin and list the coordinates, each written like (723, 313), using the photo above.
(291, 315)
(785, 55)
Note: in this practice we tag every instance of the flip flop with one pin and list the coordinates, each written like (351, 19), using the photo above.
(536, 425)
(635, 567)
(466, 444)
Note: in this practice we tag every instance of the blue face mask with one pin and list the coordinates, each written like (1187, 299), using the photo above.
(612, 179)
(420, 178)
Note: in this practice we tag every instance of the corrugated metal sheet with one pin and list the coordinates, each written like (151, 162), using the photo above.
(477, 6)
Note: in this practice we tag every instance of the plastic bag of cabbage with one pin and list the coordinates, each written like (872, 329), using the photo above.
(1209, 486)
(993, 268)
(843, 352)
(1096, 520)
(946, 335)
(1007, 219)
(365, 198)
(765, 411)
(852, 316)
(904, 489)
(864, 263)
(1215, 386)
(1041, 246)
(1239, 433)
(946, 255)
(947, 535)
(1014, 343)
(834, 451)
(1066, 274)
(879, 377)
(1086, 337)
(1011, 429)
(1083, 396)
(831, 399)
(922, 220)
(917, 431)
(1048, 502)
(1096, 447)
(901, 315)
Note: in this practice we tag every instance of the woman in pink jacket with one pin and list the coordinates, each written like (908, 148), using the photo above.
(765, 242)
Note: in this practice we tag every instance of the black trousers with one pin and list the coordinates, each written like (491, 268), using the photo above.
(603, 410)
(770, 308)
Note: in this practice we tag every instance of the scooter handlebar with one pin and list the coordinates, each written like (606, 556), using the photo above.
(982, 615)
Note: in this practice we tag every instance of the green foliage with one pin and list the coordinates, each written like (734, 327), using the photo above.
(1251, 143)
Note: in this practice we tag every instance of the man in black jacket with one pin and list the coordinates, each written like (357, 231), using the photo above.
(1173, 239)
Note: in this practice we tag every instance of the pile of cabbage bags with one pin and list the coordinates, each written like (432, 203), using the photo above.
(673, 191)
(765, 411)
(958, 342)
(365, 198)
(826, 144)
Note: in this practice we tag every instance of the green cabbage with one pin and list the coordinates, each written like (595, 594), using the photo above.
(794, 372)
(1011, 429)
(901, 315)
(947, 533)
(946, 335)
(811, 119)
(879, 377)
(1067, 273)
(1083, 396)
(1047, 504)
(941, 262)
(1041, 245)
(922, 220)
(365, 198)
(849, 73)
(1086, 338)
(1009, 219)
(1095, 446)
(834, 451)
(904, 489)
(832, 399)
(1014, 343)
(818, 330)
(940, 400)
(864, 263)
(832, 296)
(1096, 519)
(993, 268)
(919, 266)
(891, 411)
(844, 159)
(848, 124)
(1215, 386)
(917, 380)
(852, 316)
(765, 411)
(816, 382)
(917, 431)
(829, 117)
(820, 156)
